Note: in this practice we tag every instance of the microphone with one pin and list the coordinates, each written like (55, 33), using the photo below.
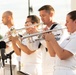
(2, 44)
(2, 50)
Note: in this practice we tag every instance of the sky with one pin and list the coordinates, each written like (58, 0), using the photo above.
(20, 10)
(18, 7)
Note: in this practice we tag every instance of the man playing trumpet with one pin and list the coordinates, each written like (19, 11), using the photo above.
(47, 14)
(31, 56)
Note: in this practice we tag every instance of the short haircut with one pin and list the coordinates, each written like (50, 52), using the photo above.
(48, 8)
(34, 18)
(72, 14)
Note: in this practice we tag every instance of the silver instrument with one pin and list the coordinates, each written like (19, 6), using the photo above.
(14, 32)
(39, 34)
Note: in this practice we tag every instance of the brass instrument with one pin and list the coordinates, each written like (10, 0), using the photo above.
(40, 33)
(14, 32)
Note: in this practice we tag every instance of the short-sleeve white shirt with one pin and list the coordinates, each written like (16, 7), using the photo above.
(48, 61)
(33, 60)
(69, 45)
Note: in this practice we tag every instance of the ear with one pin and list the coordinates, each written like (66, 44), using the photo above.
(75, 21)
(51, 13)
(36, 25)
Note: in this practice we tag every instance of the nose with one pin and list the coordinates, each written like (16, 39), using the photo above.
(26, 24)
(65, 24)
(42, 18)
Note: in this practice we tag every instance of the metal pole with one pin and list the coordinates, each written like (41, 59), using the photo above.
(28, 7)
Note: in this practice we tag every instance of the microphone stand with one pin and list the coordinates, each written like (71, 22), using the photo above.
(5, 57)
(9, 56)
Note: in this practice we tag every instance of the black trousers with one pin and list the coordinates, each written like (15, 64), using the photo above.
(21, 73)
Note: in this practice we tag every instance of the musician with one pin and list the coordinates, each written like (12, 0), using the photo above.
(66, 52)
(31, 55)
(7, 20)
(47, 13)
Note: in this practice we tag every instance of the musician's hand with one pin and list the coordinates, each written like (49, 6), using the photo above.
(8, 33)
(48, 36)
(13, 39)
(31, 30)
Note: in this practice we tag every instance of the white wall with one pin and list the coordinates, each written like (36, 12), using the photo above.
(73, 4)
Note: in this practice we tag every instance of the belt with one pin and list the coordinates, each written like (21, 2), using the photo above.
(22, 73)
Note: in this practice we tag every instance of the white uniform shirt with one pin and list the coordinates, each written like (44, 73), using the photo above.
(48, 61)
(32, 63)
(10, 48)
(69, 45)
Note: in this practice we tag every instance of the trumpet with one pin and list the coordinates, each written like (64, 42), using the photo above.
(15, 32)
(32, 25)
(40, 33)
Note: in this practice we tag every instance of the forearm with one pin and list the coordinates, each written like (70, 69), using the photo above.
(50, 49)
(24, 48)
(61, 53)
(58, 50)
(16, 49)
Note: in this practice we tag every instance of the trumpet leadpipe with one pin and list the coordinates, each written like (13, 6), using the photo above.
(40, 33)
(32, 25)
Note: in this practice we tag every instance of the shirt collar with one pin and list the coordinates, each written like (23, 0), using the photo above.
(73, 34)
(11, 28)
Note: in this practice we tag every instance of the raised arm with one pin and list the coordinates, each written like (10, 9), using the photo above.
(55, 48)
(18, 46)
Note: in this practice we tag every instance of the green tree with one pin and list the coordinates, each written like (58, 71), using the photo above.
(1, 37)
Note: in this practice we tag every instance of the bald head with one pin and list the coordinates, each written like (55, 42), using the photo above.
(8, 13)
(7, 18)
